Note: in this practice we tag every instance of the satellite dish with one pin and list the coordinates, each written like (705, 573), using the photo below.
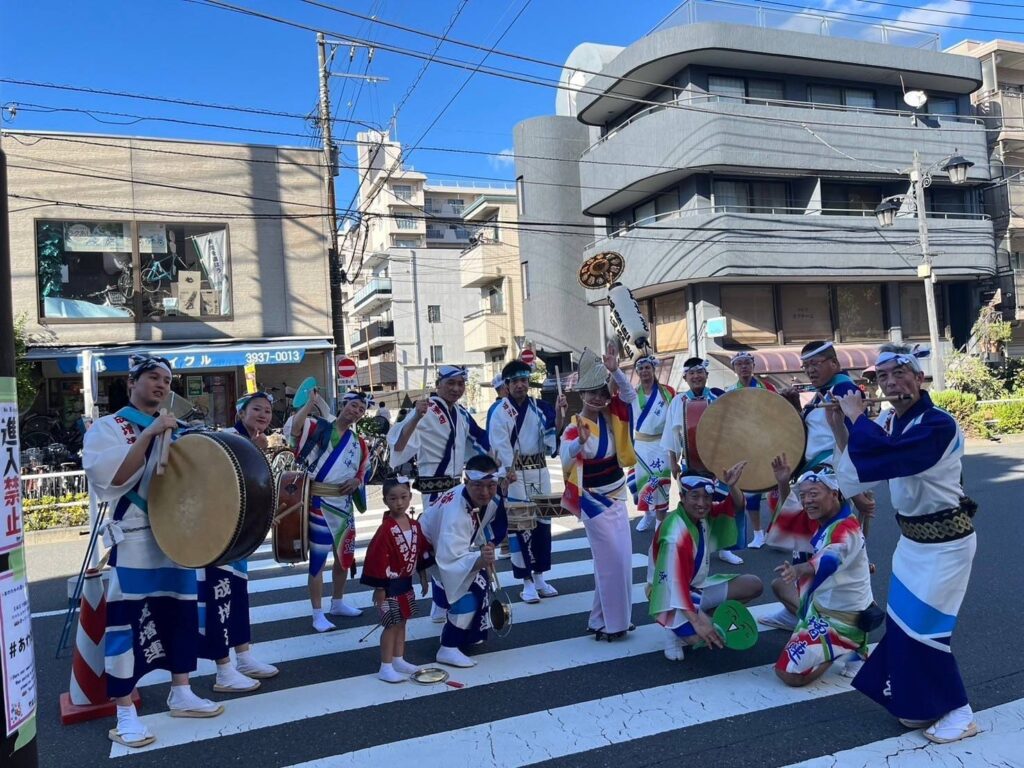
(915, 99)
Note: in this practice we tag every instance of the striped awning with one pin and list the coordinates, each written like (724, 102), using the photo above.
(778, 360)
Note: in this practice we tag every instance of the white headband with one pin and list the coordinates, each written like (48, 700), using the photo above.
(910, 359)
(741, 356)
(650, 360)
(827, 479)
(476, 474)
(702, 365)
(697, 483)
(818, 351)
(451, 372)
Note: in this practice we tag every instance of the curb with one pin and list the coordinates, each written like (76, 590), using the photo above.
(54, 535)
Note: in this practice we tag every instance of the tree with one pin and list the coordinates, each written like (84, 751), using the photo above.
(28, 378)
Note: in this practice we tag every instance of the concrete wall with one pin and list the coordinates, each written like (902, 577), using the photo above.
(278, 267)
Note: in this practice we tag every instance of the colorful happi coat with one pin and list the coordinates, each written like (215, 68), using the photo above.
(334, 457)
(392, 559)
(912, 672)
(152, 622)
(525, 430)
(821, 443)
(831, 598)
(651, 478)
(791, 529)
(679, 562)
(442, 441)
(457, 530)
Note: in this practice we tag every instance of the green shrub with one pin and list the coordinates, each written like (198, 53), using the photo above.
(962, 405)
(44, 512)
(1009, 417)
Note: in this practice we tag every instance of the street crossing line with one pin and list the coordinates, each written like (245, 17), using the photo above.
(330, 697)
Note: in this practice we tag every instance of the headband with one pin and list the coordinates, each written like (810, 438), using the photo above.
(139, 364)
(650, 360)
(910, 359)
(702, 365)
(698, 483)
(828, 345)
(741, 356)
(476, 474)
(451, 372)
(827, 479)
(498, 382)
(517, 375)
(244, 400)
(350, 397)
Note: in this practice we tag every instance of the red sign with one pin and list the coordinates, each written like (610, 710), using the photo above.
(346, 368)
(528, 356)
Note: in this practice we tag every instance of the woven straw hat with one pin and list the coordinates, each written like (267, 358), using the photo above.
(592, 373)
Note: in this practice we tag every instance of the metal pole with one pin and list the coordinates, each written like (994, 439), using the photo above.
(18, 690)
(925, 272)
(335, 275)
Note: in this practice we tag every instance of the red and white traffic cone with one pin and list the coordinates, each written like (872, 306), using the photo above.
(87, 697)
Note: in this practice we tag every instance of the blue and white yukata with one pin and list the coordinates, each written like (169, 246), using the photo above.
(912, 672)
(651, 478)
(526, 429)
(457, 531)
(821, 443)
(152, 621)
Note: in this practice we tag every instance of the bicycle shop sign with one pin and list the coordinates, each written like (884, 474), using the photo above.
(191, 360)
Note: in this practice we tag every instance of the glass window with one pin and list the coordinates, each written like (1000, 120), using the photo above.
(405, 222)
(520, 196)
(435, 232)
(436, 353)
(751, 313)
(914, 311)
(667, 204)
(751, 196)
(768, 196)
(825, 94)
(938, 105)
(669, 322)
(856, 97)
(456, 204)
(85, 269)
(805, 312)
(944, 200)
(495, 300)
(859, 308)
(731, 195)
(433, 313)
(850, 199)
(727, 88)
(766, 89)
(526, 280)
(402, 191)
(644, 214)
(185, 270)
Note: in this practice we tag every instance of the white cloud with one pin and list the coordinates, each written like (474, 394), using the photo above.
(502, 161)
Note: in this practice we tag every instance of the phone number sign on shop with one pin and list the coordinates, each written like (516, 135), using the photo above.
(194, 359)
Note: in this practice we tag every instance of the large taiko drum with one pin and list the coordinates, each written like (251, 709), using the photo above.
(753, 425)
(693, 411)
(215, 501)
(290, 538)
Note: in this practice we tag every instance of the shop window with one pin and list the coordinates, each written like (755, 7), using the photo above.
(750, 310)
(859, 311)
(804, 313)
(185, 270)
(668, 320)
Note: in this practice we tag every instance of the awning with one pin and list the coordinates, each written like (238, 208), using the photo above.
(182, 358)
(777, 360)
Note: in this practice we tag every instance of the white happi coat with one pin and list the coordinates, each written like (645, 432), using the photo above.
(428, 440)
(534, 436)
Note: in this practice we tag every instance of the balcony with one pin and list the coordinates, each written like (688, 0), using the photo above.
(662, 145)
(373, 296)
(373, 336)
(1003, 110)
(486, 329)
(383, 373)
(764, 248)
(486, 263)
(1015, 203)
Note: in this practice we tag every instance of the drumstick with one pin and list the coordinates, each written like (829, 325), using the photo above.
(558, 385)
(893, 399)
(426, 365)
(165, 447)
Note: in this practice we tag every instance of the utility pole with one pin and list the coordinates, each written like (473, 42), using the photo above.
(925, 272)
(337, 274)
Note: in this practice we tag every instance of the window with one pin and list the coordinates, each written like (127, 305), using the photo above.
(461, 233)
(435, 232)
(667, 204)
(859, 311)
(456, 204)
(945, 200)
(495, 300)
(914, 311)
(404, 242)
(436, 353)
(525, 269)
(88, 269)
(938, 105)
(405, 222)
(520, 196)
(804, 312)
(669, 322)
(738, 88)
(855, 97)
(766, 89)
(402, 191)
(751, 313)
(433, 313)
(644, 214)
(850, 199)
(834, 94)
(751, 196)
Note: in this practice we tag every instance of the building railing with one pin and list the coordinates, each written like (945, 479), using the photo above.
(696, 11)
(371, 331)
(485, 312)
(377, 285)
(433, 185)
(692, 101)
(58, 485)
(1001, 107)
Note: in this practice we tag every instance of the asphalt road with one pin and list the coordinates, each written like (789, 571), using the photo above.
(546, 694)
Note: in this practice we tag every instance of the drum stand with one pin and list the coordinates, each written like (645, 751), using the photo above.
(76, 596)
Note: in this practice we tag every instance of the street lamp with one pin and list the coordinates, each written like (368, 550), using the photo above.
(956, 166)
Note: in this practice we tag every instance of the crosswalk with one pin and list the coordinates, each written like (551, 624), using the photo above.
(547, 693)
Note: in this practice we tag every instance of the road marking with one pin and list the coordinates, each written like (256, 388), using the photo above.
(999, 742)
(347, 694)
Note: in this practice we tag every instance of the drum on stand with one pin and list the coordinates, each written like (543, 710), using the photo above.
(693, 411)
(290, 537)
(214, 503)
(549, 505)
(753, 425)
(522, 516)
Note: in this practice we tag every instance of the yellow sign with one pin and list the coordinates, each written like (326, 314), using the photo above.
(250, 377)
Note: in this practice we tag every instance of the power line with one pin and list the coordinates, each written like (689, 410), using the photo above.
(926, 9)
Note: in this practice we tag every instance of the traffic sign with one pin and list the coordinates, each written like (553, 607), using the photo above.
(528, 356)
(346, 368)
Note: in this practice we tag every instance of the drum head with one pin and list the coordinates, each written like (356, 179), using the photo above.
(752, 425)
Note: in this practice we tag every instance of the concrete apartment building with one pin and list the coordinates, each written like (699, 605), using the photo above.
(407, 304)
(211, 254)
(743, 183)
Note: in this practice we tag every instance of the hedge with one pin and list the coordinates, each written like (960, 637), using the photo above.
(44, 512)
(981, 420)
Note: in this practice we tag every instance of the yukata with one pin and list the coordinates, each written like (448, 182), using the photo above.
(334, 458)
(522, 436)
(224, 601)
(679, 565)
(912, 672)
(456, 531)
(651, 478)
(441, 442)
(790, 529)
(821, 443)
(832, 599)
(152, 622)
(672, 438)
(596, 492)
(391, 560)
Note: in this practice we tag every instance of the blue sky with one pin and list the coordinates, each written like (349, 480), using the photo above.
(185, 50)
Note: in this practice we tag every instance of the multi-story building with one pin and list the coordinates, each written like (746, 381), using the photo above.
(211, 254)
(737, 170)
(1001, 101)
(406, 307)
